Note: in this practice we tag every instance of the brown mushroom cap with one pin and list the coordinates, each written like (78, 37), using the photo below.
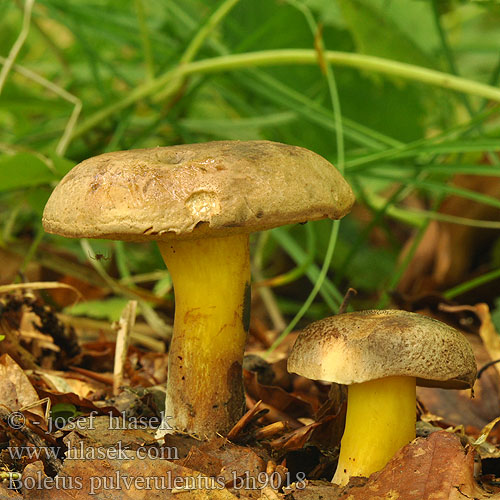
(366, 345)
(187, 191)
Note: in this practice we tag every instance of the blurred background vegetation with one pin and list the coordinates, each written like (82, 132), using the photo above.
(402, 96)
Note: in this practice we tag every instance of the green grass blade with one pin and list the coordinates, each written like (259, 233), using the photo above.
(443, 189)
(291, 57)
(471, 284)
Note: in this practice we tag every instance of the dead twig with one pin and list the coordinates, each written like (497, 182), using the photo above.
(351, 292)
(125, 325)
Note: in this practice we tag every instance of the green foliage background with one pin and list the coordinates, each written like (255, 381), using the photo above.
(161, 72)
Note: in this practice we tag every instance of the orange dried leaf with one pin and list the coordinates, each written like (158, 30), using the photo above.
(436, 468)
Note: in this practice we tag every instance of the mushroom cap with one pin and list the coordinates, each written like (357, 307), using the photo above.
(366, 345)
(189, 191)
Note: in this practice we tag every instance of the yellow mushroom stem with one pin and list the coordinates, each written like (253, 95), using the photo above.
(211, 279)
(380, 420)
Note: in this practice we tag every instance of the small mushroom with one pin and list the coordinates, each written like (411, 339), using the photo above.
(381, 356)
(200, 202)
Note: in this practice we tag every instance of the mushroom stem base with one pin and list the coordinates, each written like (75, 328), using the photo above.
(211, 283)
(380, 420)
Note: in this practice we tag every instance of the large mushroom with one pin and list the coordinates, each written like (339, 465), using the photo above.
(381, 356)
(200, 202)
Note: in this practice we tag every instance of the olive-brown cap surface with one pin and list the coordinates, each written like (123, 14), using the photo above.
(366, 345)
(188, 191)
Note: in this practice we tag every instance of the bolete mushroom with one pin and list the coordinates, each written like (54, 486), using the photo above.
(381, 356)
(200, 202)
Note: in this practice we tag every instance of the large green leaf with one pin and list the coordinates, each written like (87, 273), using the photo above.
(109, 309)
(375, 33)
(61, 165)
(23, 170)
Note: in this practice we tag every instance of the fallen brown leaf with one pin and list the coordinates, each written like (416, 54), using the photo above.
(446, 253)
(276, 397)
(204, 462)
(120, 479)
(236, 461)
(16, 390)
(64, 382)
(106, 430)
(272, 414)
(294, 440)
(7, 493)
(314, 490)
(72, 398)
(488, 333)
(433, 468)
